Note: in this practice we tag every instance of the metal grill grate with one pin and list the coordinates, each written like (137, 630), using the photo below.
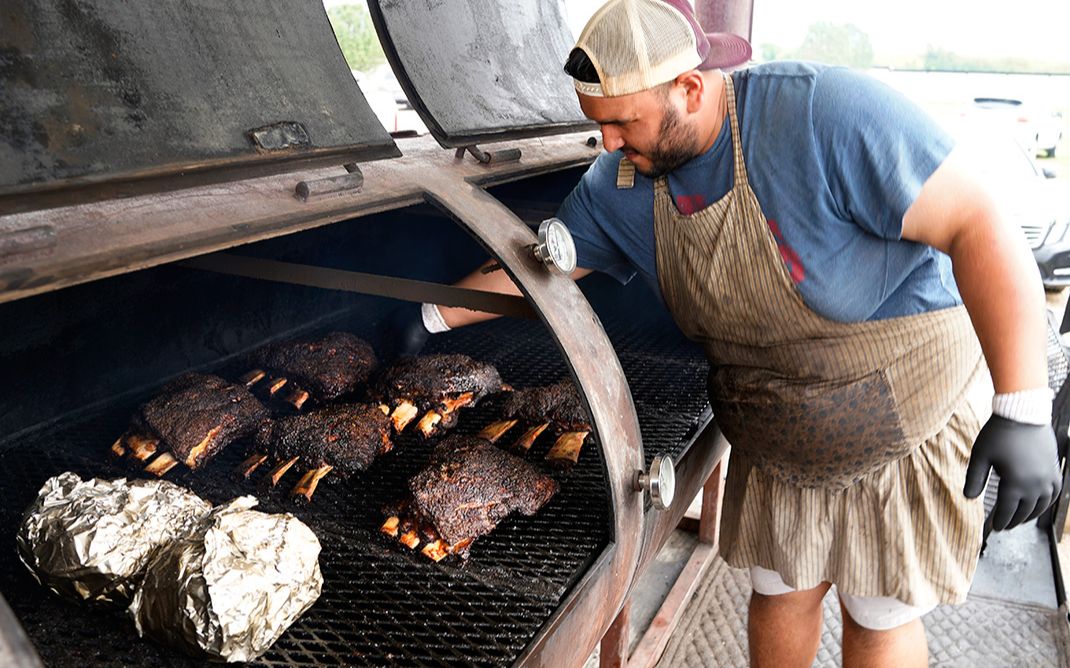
(381, 604)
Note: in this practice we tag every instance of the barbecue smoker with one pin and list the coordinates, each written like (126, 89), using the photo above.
(182, 182)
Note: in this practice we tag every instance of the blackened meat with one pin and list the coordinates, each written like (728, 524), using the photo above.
(327, 367)
(559, 404)
(428, 379)
(345, 437)
(197, 415)
(469, 486)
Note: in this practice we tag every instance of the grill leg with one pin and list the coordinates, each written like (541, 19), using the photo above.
(656, 638)
(613, 652)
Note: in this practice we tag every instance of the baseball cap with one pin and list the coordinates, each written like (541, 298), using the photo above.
(635, 45)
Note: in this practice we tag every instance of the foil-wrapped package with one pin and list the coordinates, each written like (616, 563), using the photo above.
(230, 589)
(90, 540)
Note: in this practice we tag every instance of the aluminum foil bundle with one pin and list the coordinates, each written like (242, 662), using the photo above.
(90, 540)
(230, 589)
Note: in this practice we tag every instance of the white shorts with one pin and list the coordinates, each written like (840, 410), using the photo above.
(877, 613)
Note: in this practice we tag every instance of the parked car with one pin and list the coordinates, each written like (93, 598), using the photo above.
(1037, 201)
(1038, 130)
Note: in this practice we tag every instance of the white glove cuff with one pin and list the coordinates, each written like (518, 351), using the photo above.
(1027, 406)
(435, 324)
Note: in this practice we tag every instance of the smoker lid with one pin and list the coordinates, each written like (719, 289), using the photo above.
(104, 90)
(482, 70)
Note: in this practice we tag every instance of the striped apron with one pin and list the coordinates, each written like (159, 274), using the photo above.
(849, 440)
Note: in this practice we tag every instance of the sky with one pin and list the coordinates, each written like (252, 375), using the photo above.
(1031, 29)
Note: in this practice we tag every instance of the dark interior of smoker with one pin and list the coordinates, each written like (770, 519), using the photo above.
(77, 362)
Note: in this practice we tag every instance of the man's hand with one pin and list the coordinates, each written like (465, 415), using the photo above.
(403, 332)
(1027, 460)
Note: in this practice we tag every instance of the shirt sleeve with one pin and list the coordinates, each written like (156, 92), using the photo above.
(877, 147)
(581, 212)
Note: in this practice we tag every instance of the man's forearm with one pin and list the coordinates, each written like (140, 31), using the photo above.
(1000, 286)
(495, 281)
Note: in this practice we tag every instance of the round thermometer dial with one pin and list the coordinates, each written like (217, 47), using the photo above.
(556, 247)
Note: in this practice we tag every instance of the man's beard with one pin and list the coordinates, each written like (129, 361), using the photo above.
(676, 145)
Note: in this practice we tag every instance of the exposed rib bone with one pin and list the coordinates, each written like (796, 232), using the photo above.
(117, 447)
(495, 430)
(427, 423)
(162, 464)
(253, 377)
(306, 486)
(437, 550)
(280, 470)
(524, 443)
(191, 459)
(460, 545)
(141, 447)
(297, 398)
(566, 450)
(403, 414)
(450, 405)
(409, 539)
(386, 445)
(276, 385)
(390, 526)
(247, 467)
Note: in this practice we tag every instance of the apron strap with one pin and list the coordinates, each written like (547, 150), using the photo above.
(740, 176)
(625, 174)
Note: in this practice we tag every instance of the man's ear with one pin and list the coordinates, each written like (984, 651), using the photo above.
(694, 87)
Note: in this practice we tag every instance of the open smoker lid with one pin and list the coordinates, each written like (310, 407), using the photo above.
(104, 90)
(482, 70)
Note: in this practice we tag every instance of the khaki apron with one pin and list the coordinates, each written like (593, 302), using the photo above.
(849, 440)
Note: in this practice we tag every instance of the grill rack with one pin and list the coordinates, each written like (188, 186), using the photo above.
(382, 604)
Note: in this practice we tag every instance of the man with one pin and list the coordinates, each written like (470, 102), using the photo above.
(844, 272)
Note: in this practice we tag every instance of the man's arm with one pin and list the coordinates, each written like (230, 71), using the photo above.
(1001, 289)
(994, 269)
(495, 281)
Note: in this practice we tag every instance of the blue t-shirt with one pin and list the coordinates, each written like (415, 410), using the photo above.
(835, 159)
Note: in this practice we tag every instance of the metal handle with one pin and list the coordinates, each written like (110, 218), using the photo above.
(660, 481)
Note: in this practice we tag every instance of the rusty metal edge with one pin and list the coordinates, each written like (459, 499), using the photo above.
(406, 174)
(80, 190)
(16, 650)
(595, 367)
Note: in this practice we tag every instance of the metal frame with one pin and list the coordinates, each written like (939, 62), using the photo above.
(45, 250)
(163, 227)
(702, 466)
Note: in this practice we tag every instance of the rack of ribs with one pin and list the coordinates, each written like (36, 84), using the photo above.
(324, 368)
(467, 488)
(189, 422)
(554, 406)
(435, 385)
(344, 438)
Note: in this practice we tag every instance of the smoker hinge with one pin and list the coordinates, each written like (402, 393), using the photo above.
(487, 157)
(353, 181)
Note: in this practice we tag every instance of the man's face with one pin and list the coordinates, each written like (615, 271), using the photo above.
(649, 127)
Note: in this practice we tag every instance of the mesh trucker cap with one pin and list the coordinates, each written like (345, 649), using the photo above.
(635, 45)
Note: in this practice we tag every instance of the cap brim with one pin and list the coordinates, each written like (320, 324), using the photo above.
(726, 51)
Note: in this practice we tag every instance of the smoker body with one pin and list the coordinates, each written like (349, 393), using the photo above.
(116, 279)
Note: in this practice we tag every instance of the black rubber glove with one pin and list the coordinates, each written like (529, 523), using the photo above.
(1027, 460)
(403, 333)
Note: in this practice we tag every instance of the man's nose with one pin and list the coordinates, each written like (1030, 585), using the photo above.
(611, 138)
